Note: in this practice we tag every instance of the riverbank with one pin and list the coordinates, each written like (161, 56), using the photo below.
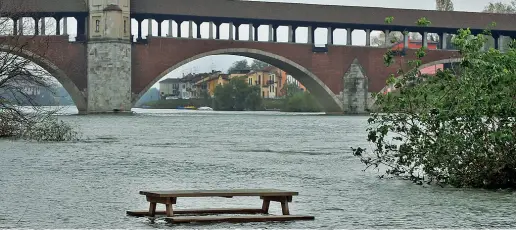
(267, 105)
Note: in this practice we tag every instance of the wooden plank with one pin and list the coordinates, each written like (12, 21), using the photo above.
(143, 213)
(221, 193)
(277, 198)
(189, 219)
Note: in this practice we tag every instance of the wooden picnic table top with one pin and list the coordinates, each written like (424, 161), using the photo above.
(220, 193)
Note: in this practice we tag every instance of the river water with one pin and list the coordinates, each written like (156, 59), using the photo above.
(92, 182)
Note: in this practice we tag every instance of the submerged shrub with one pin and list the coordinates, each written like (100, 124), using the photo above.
(456, 128)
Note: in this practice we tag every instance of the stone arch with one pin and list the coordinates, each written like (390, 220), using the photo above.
(77, 96)
(328, 100)
(429, 64)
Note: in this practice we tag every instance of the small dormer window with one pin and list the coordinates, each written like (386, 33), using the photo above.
(97, 25)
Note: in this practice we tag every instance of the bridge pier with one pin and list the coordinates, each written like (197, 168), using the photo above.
(109, 60)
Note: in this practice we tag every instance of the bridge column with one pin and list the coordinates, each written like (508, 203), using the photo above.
(251, 32)
(368, 37)
(217, 30)
(211, 30)
(256, 32)
(425, 39)
(275, 33)
(65, 26)
(330, 36)
(149, 28)
(20, 22)
(43, 26)
(36, 26)
(170, 28)
(58, 25)
(501, 43)
(290, 34)
(140, 33)
(231, 37)
(190, 29)
(442, 40)
(179, 23)
(237, 32)
(349, 39)
(159, 27)
(198, 23)
(15, 26)
(81, 29)
(496, 38)
(311, 35)
(406, 37)
(109, 58)
(387, 37)
(271, 32)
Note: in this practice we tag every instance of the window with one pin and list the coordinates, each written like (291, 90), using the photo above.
(259, 80)
(97, 25)
(125, 26)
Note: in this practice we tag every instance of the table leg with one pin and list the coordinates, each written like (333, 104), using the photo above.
(265, 206)
(284, 208)
(169, 210)
(152, 209)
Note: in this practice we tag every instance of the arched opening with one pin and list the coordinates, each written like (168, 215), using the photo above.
(325, 97)
(50, 70)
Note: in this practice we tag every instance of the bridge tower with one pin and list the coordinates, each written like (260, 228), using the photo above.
(109, 56)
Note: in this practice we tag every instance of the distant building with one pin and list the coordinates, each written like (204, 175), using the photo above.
(169, 87)
(268, 79)
(210, 82)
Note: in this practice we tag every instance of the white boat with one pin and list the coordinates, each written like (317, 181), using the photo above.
(205, 109)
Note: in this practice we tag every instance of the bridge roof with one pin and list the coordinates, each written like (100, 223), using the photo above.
(27, 7)
(355, 17)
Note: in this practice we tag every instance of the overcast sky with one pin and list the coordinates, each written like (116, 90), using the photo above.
(223, 62)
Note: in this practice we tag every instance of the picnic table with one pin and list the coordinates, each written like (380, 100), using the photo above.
(169, 198)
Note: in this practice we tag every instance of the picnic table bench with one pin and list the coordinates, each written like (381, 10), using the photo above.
(169, 198)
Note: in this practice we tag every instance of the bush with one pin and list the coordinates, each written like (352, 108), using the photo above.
(454, 128)
(37, 126)
(301, 102)
(237, 95)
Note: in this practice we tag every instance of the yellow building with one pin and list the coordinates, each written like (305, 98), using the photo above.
(211, 82)
(268, 80)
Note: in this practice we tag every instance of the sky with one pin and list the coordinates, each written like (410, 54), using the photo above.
(223, 62)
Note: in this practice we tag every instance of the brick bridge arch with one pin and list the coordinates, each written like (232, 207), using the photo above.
(323, 73)
(61, 59)
(324, 95)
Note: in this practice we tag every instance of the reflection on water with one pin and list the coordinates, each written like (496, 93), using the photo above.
(90, 183)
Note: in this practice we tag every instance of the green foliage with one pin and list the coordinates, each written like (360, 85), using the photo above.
(297, 100)
(258, 65)
(239, 65)
(237, 96)
(244, 65)
(389, 20)
(454, 128)
(423, 22)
